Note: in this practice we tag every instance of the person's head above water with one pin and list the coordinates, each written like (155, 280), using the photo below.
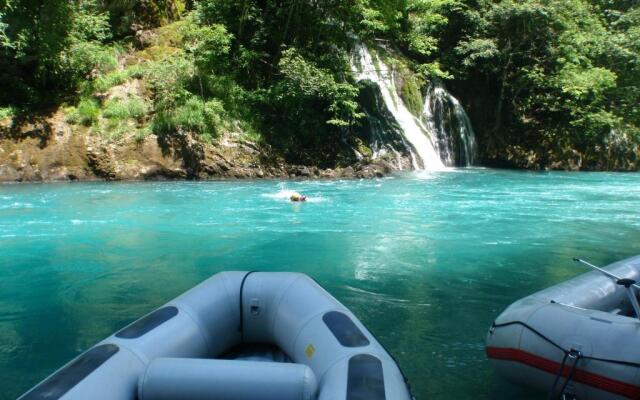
(295, 196)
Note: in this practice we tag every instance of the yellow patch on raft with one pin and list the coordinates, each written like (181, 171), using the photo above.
(310, 350)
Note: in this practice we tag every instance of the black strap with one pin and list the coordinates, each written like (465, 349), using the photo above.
(241, 326)
(576, 355)
(558, 375)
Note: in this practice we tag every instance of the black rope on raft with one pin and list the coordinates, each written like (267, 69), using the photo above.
(576, 355)
(241, 325)
(533, 330)
(558, 374)
(571, 353)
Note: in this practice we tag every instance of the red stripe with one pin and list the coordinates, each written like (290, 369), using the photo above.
(588, 378)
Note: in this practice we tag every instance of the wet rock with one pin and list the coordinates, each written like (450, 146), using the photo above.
(347, 172)
(160, 172)
(100, 163)
(303, 171)
(8, 173)
(144, 38)
(223, 165)
(328, 173)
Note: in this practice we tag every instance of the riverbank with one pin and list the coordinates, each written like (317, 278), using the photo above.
(50, 149)
(115, 129)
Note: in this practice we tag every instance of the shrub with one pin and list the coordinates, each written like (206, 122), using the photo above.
(195, 115)
(88, 111)
(72, 115)
(123, 109)
(142, 133)
(114, 78)
(168, 79)
(106, 82)
(190, 116)
(7, 112)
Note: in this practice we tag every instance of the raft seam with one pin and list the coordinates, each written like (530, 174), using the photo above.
(200, 328)
(275, 314)
(144, 360)
(229, 304)
(307, 322)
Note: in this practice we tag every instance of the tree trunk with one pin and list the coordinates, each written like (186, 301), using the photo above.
(505, 72)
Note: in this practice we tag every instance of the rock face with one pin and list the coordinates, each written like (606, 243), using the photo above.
(47, 150)
(611, 156)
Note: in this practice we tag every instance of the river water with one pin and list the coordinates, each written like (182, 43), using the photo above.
(426, 260)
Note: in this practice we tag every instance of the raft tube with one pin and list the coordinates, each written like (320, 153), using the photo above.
(578, 339)
(202, 345)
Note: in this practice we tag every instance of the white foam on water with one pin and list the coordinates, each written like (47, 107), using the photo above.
(17, 205)
(424, 175)
(87, 221)
(285, 195)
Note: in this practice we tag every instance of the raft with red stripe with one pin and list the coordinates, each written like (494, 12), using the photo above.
(579, 339)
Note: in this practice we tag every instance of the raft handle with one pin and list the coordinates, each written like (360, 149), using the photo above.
(628, 284)
(241, 325)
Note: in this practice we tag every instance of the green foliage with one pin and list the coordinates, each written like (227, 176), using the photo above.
(195, 116)
(208, 45)
(170, 79)
(88, 111)
(116, 77)
(7, 112)
(538, 74)
(49, 47)
(547, 73)
(124, 109)
(304, 82)
(147, 14)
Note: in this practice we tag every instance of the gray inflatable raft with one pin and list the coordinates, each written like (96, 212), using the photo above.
(236, 336)
(578, 339)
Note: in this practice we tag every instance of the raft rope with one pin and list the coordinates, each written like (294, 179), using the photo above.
(575, 354)
(241, 326)
(571, 353)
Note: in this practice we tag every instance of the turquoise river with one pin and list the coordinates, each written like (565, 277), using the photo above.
(425, 260)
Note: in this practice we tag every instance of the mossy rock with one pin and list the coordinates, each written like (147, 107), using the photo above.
(407, 80)
(363, 149)
(410, 92)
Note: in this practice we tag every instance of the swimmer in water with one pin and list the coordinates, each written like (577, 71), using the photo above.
(295, 196)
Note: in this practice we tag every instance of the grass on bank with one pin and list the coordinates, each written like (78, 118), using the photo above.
(114, 78)
(173, 98)
(7, 112)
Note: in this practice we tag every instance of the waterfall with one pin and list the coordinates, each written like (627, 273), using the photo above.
(445, 117)
(370, 67)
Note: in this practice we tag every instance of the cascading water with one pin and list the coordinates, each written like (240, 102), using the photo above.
(445, 117)
(366, 66)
